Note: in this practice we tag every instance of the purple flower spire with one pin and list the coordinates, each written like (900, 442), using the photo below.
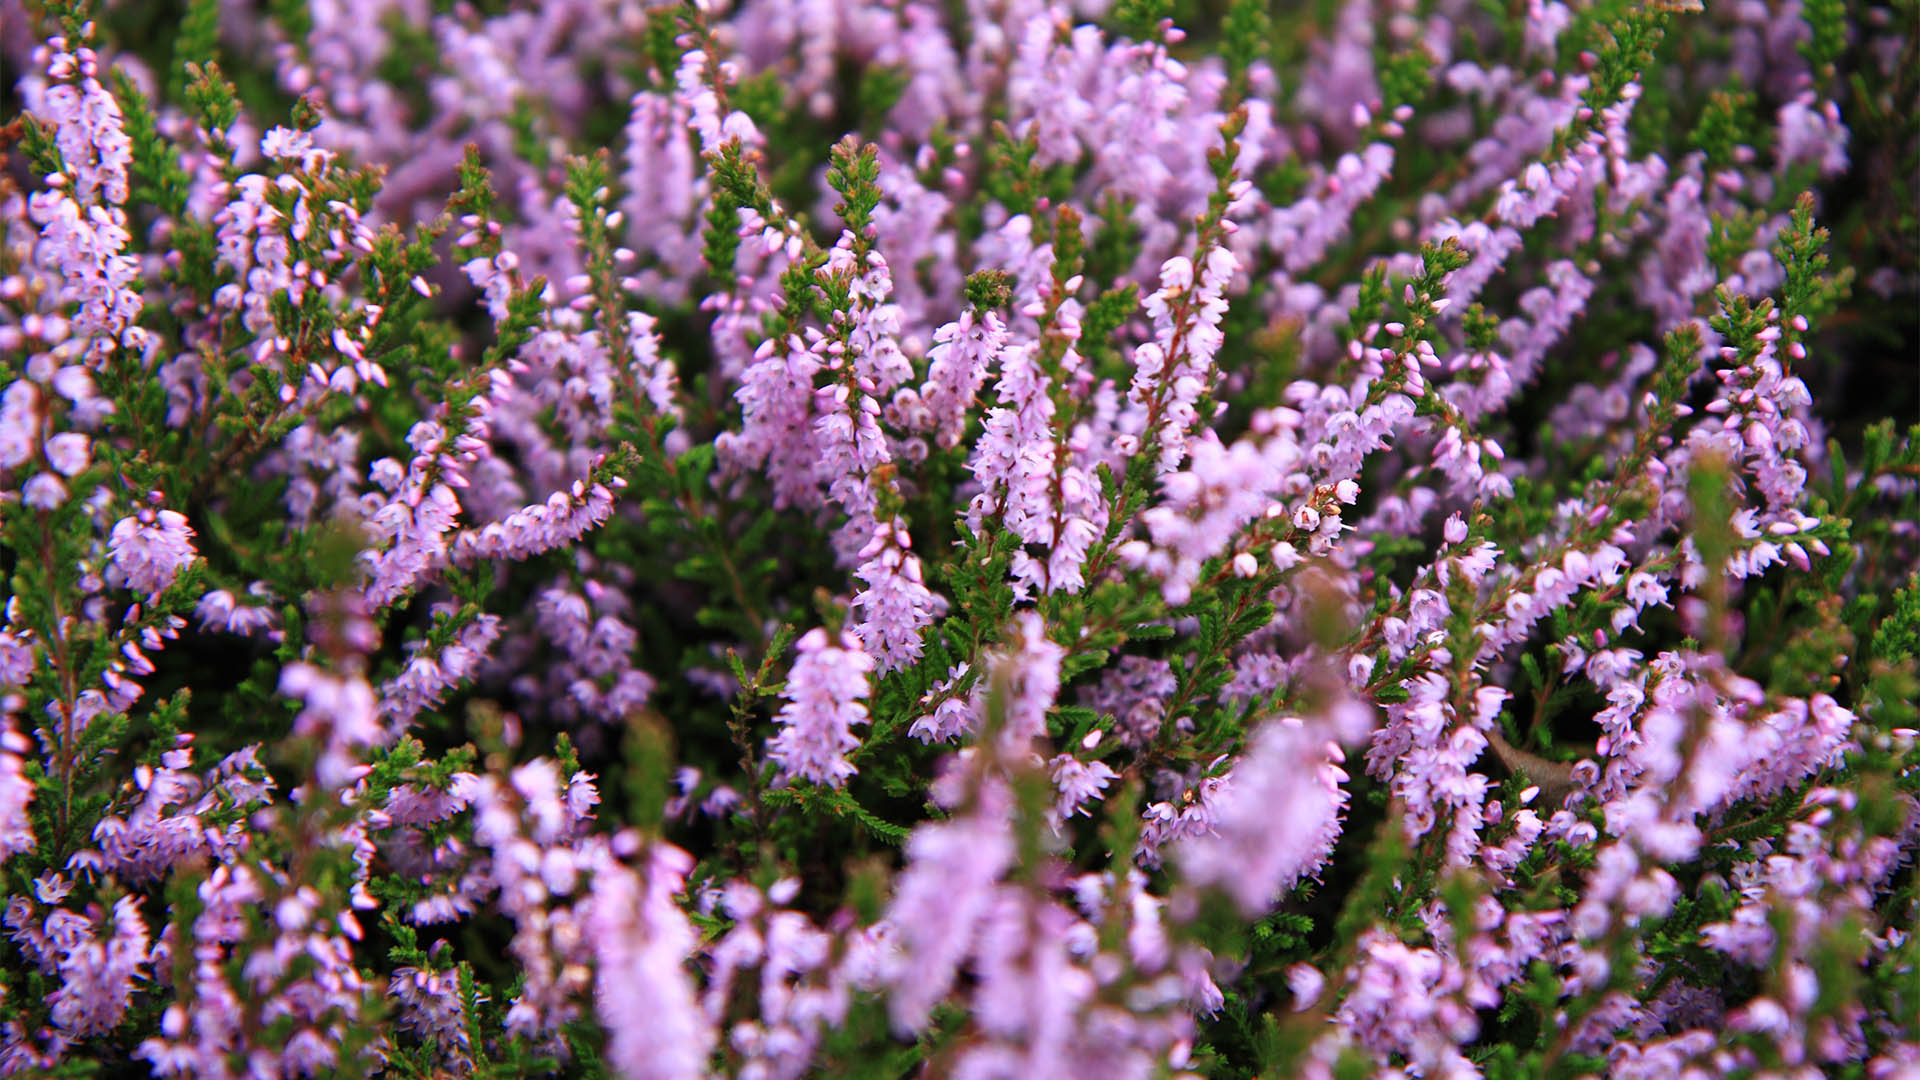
(148, 550)
(433, 1009)
(1030, 990)
(662, 193)
(1406, 1001)
(799, 992)
(864, 361)
(1047, 81)
(197, 1042)
(1275, 817)
(641, 942)
(1811, 133)
(83, 247)
(963, 353)
(943, 895)
(655, 373)
(1013, 461)
(19, 423)
(896, 604)
(1549, 312)
(565, 517)
(1303, 231)
(16, 791)
(1176, 367)
(597, 677)
(1138, 125)
(776, 395)
(937, 88)
(168, 826)
(1027, 669)
(428, 675)
(1206, 506)
(408, 527)
(342, 712)
(825, 701)
(87, 123)
(83, 230)
(98, 976)
(696, 82)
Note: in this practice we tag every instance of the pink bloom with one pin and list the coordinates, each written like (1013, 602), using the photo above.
(1275, 818)
(67, 452)
(825, 701)
(341, 713)
(16, 793)
(642, 992)
(150, 549)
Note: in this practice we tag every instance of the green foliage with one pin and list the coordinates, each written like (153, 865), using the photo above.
(1245, 36)
(730, 577)
(1627, 47)
(1726, 127)
(1826, 39)
(855, 174)
(1141, 19)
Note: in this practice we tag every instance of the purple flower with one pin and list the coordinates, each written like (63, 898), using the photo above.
(563, 518)
(221, 610)
(16, 791)
(97, 976)
(825, 701)
(341, 712)
(944, 893)
(896, 604)
(952, 716)
(640, 942)
(426, 678)
(1077, 783)
(149, 549)
(697, 95)
(1176, 367)
(19, 423)
(1027, 671)
(431, 1006)
(67, 452)
(962, 356)
(43, 492)
(1275, 817)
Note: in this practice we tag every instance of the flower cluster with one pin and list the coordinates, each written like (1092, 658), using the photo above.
(767, 539)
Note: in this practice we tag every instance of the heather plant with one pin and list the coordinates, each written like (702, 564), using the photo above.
(989, 539)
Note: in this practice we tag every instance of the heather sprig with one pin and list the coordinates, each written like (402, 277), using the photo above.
(789, 539)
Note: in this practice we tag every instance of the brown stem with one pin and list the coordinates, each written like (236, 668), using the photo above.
(1555, 778)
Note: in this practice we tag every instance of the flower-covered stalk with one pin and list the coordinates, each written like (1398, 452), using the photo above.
(1367, 545)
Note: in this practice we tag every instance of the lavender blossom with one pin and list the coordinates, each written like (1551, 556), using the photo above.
(16, 793)
(149, 549)
(825, 701)
(943, 895)
(1152, 418)
(1286, 776)
(340, 712)
(641, 942)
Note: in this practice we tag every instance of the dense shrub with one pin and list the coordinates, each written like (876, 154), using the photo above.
(878, 539)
